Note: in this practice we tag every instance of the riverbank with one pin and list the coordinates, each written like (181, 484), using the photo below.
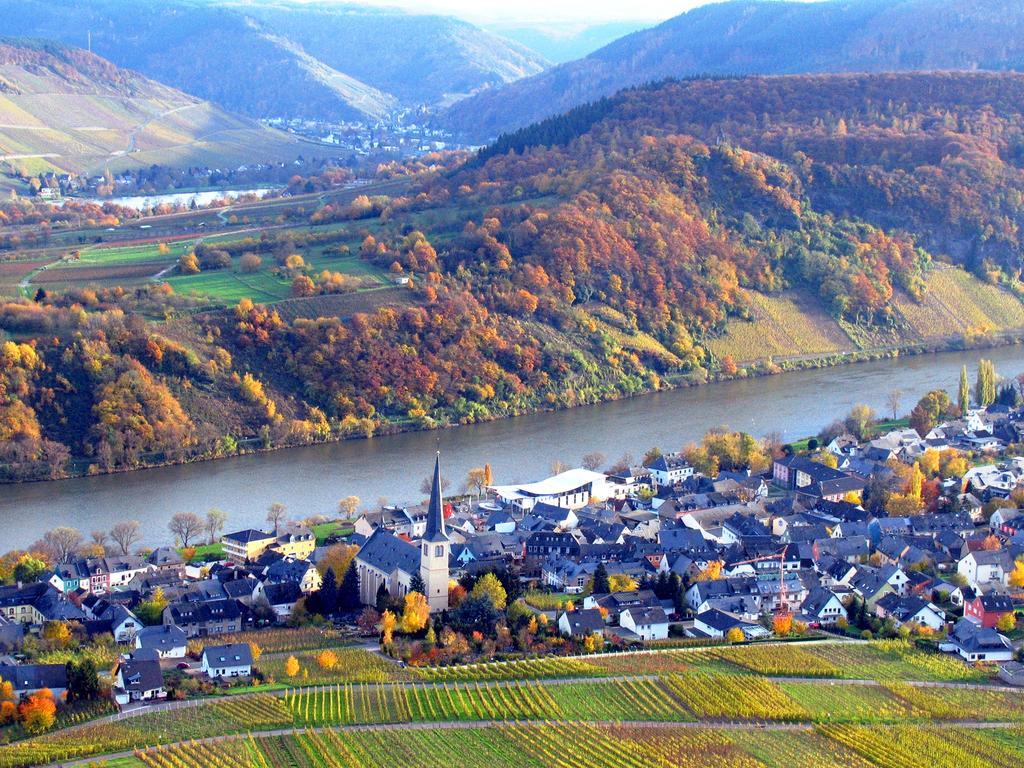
(252, 445)
(311, 479)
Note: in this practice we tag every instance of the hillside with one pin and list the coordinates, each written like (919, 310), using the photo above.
(671, 235)
(286, 60)
(66, 109)
(757, 37)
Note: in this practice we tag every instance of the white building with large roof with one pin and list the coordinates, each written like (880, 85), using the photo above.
(572, 489)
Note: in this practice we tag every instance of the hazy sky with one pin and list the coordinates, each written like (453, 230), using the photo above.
(484, 11)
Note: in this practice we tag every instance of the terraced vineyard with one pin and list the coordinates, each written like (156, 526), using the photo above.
(579, 745)
(564, 711)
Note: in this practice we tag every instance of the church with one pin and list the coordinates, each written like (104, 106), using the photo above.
(393, 561)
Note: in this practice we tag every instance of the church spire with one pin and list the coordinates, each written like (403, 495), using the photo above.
(435, 513)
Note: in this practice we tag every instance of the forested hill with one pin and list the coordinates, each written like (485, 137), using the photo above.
(672, 234)
(290, 60)
(757, 37)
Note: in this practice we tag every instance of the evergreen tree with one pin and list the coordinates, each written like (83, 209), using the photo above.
(348, 595)
(83, 681)
(416, 584)
(964, 399)
(326, 602)
(383, 599)
(601, 585)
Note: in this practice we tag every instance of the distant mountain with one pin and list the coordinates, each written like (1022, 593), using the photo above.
(283, 60)
(66, 109)
(752, 37)
(419, 59)
(560, 43)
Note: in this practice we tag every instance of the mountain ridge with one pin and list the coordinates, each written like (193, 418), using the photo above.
(742, 37)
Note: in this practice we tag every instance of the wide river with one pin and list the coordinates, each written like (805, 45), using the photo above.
(310, 480)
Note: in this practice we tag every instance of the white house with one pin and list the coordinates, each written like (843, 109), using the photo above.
(232, 660)
(646, 623)
(975, 643)
(823, 607)
(167, 640)
(669, 469)
(139, 679)
(985, 567)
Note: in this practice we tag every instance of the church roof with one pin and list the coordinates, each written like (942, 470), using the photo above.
(388, 553)
(435, 531)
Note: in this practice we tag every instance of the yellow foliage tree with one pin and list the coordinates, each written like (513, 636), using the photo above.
(327, 659)
(1017, 574)
(712, 573)
(416, 613)
(387, 627)
(620, 582)
(489, 586)
(734, 635)
(782, 624)
(38, 711)
(291, 666)
(1007, 622)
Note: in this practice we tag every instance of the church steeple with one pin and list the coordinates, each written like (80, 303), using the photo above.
(435, 531)
(435, 547)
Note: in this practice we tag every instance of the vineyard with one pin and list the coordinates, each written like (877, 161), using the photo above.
(349, 666)
(722, 688)
(580, 745)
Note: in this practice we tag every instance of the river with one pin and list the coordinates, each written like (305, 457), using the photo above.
(310, 480)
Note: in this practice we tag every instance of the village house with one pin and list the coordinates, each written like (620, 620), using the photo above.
(167, 641)
(975, 643)
(226, 661)
(139, 678)
(987, 609)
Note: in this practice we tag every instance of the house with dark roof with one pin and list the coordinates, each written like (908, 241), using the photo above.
(986, 610)
(813, 480)
(822, 607)
(231, 660)
(29, 678)
(166, 640)
(669, 469)
(139, 678)
(215, 617)
(647, 623)
(975, 643)
(581, 623)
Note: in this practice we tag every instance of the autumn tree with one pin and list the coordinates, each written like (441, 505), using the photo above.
(327, 659)
(216, 519)
(782, 624)
(860, 420)
(593, 461)
(125, 534)
(1017, 574)
(930, 410)
(490, 587)
(62, 542)
(387, 627)
(250, 263)
(38, 712)
(185, 526)
(621, 582)
(1007, 622)
(348, 507)
(416, 613)
(894, 400)
(291, 666)
(276, 514)
(735, 635)
(188, 264)
(476, 480)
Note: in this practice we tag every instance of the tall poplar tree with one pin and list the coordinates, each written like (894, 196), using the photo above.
(965, 392)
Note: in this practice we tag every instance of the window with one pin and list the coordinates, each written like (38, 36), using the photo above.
(439, 550)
